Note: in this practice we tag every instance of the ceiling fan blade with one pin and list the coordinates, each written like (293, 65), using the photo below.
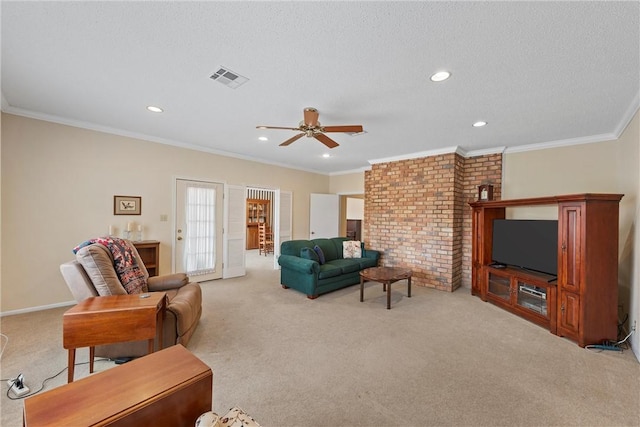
(325, 140)
(275, 127)
(311, 117)
(290, 140)
(343, 128)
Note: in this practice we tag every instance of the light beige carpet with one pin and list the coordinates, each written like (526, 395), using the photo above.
(436, 359)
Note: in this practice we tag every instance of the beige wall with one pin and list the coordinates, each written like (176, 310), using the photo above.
(58, 184)
(352, 183)
(605, 167)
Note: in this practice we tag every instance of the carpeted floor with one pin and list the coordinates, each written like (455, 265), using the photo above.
(434, 359)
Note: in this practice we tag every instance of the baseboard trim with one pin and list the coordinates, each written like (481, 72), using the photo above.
(38, 308)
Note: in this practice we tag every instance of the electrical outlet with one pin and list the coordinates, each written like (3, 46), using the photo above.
(17, 386)
(634, 326)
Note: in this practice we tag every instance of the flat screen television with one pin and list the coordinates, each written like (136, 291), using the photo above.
(528, 244)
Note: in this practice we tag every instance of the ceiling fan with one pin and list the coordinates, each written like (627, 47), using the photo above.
(312, 128)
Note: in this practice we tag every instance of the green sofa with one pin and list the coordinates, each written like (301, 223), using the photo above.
(301, 272)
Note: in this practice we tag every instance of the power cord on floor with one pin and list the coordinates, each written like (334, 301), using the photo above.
(9, 396)
(610, 345)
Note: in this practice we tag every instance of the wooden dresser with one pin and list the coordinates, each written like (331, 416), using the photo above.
(169, 388)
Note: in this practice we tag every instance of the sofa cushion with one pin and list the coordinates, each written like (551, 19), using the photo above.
(293, 247)
(346, 265)
(367, 262)
(318, 250)
(125, 261)
(309, 253)
(185, 303)
(329, 270)
(97, 262)
(352, 249)
(328, 248)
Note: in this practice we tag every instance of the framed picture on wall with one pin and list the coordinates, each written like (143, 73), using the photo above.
(127, 205)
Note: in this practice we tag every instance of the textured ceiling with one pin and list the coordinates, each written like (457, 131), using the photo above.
(537, 72)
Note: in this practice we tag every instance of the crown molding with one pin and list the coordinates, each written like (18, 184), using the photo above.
(628, 115)
(409, 156)
(145, 137)
(348, 172)
(562, 143)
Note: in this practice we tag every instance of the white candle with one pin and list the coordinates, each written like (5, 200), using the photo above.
(130, 226)
(140, 228)
(111, 230)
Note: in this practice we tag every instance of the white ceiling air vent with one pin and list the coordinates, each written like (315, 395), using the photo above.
(229, 78)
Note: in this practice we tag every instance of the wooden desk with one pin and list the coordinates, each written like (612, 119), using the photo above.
(111, 319)
(171, 387)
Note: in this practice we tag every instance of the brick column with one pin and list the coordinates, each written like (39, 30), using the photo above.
(416, 214)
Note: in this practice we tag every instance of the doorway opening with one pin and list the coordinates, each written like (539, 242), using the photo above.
(352, 216)
(261, 218)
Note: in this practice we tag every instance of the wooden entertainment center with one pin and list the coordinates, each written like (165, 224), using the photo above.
(582, 303)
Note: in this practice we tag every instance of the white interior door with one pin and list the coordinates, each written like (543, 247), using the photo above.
(198, 229)
(324, 216)
(283, 224)
(235, 235)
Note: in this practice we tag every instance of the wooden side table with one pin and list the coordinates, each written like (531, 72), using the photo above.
(111, 319)
(168, 388)
(386, 276)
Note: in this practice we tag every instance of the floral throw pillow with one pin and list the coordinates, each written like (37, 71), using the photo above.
(351, 249)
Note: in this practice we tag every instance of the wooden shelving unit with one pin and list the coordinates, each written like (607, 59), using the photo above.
(149, 251)
(582, 304)
(258, 211)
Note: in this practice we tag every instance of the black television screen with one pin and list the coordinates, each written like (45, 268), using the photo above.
(529, 244)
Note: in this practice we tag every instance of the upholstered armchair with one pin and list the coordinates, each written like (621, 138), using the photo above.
(92, 274)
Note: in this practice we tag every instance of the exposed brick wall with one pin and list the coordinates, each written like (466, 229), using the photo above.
(477, 171)
(417, 215)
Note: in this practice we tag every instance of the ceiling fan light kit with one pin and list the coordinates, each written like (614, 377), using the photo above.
(311, 128)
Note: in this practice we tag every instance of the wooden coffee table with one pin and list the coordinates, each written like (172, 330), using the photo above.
(386, 276)
(111, 319)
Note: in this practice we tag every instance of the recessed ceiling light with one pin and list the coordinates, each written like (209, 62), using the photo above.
(440, 76)
(326, 155)
(263, 138)
(154, 109)
(479, 124)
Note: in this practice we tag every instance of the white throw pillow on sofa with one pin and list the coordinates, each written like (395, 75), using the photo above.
(351, 249)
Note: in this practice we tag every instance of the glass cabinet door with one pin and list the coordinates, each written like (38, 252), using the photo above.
(499, 286)
(532, 297)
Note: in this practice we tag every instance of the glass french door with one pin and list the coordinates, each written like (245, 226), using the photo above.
(198, 233)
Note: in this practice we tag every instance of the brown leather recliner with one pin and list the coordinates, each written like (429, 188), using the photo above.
(92, 274)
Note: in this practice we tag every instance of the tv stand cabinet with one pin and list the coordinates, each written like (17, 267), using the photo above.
(528, 294)
(582, 304)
